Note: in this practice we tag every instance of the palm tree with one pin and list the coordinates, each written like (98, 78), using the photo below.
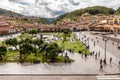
(66, 34)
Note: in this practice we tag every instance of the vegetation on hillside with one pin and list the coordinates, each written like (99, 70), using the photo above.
(21, 18)
(118, 11)
(9, 13)
(91, 10)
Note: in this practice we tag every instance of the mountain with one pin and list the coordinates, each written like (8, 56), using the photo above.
(21, 18)
(52, 8)
(9, 13)
(49, 20)
(91, 10)
(40, 8)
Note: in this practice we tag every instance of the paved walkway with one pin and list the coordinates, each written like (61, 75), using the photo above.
(113, 36)
(97, 48)
(73, 77)
(47, 78)
(2, 38)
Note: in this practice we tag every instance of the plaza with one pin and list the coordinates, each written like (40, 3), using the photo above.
(81, 66)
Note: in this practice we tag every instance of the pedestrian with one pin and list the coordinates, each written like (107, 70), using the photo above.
(101, 67)
(100, 61)
(85, 55)
(104, 61)
(96, 56)
(65, 61)
(66, 54)
(119, 65)
(93, 53)
(99, 54)
(110, 60)
(82, 55)
(94, 44)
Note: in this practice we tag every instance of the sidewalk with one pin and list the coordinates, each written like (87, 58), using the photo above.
(109, 67)
(117, 37)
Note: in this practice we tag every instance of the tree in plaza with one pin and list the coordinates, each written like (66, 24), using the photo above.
(33, 31)
(37, 42)
(12, 42)
(26, 40)
(3, 50)
(42, 49)
(25, 49)
(66, 34)
(22, 35)
(52, 51)
(35, 50)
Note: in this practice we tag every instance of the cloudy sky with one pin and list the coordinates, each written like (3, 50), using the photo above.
(52, 8)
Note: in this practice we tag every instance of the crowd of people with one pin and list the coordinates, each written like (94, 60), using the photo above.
(97, 55)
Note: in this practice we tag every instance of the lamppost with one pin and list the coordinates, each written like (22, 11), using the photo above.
(105, 39)
(41, 36)
(79, 36)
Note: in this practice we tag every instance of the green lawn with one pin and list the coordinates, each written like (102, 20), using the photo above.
(0, 42)
(61, 59)
(76, 46)
(13, 56)
(12, 53)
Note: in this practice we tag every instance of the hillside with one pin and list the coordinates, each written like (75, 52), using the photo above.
(21, 18)
(91, 10)
(9, 13)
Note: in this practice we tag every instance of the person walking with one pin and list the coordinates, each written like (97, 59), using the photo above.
(82, 55)
(96, 56)
(94, 44)
(93, 53)
(104, 61)
(119, 65)
(101, 67)
(99, 54)
(85, 55)
(100, 61)
(110, 60)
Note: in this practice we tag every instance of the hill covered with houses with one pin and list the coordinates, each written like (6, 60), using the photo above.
(90, 18)
(95, 10)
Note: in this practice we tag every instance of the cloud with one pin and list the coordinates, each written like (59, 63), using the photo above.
(52, 8)
(74, 3)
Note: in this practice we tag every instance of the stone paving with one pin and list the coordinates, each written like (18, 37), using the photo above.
(47, 78)
(72, 77)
